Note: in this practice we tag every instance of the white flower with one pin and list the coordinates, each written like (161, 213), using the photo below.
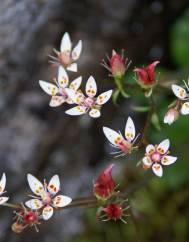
(171, 115)
(125, 145)
(183, 95)
(46, 198)
(2, 188)
(57, 90)
(88, 103)
(67, 56)
(156, 156)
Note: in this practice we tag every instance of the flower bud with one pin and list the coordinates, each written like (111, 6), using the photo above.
(146, 75)
(113, 211)
(104, 186)
(117, 65)
(18, 227)
(171, 116)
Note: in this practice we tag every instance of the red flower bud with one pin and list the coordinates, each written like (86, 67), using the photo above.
(30, 217)
(104, 186)
(113, 211)
(117, 65)
(146, 75)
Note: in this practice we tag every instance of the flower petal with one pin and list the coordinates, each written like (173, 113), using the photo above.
(147, 162)
(61, 201)
(34, 203)
(130, 129)
(91, 87)
(35, 185)
(54, 185)
(75, 84)
(94, 113)
(185, 108)
(163, 146)
(77, 51)
(150, 149)
(49, 88)
(56, 101)
(157, 169)
(113, 136)
(66, 44)
(47, 212)
(168, 160)
(63, 79)
(179, 91)
(3, 200)
(72, 67)
(2, 183)
(78, 110)
(103, 97)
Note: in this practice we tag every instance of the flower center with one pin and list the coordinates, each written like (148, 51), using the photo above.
(125, 146)
(156, 157)
(46, 197)
(89, 102)
(65, 57)
(63, 93)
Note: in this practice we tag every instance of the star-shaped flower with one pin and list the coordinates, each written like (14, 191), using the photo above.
(124, 145)
(156, 156)
(182, 95)
(67, 56)
(88, 103)
(46, 199)
(58, 90)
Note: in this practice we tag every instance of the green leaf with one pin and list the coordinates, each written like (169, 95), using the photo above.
(115, 96)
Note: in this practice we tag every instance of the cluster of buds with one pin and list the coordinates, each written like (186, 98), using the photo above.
(111, 207)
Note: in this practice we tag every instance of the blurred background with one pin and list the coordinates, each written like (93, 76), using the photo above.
(43, 141)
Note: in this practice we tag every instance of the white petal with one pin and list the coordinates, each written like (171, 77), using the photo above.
(66, 44)
(146, 161)
(77, 97)
(2, 183)
(72, 67)
(129, 130)
(75, 84)
(91, 87)
(94, 113)
(63, 79)
(185, 108)
(113, 136)
(61, 201)
(3, 200)
(169, 119)
(179, 91)
(77, 51)
(49, 88)
(47, 212)
(104, 97)
(78, 110)
(34, 203)
(168, 160)
(56, 101)
(150, 149)
(35, 185)
(163, 146)
(54, 185)
(157, 169)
